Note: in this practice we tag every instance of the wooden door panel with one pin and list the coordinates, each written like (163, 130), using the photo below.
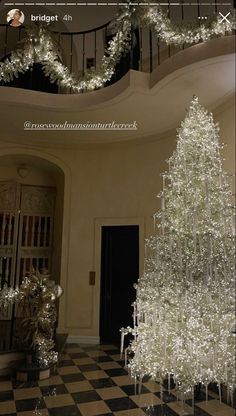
(35, 230)
(26, 229)
(9, 217)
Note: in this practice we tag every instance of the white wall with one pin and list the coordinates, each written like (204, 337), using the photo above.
(103, 185)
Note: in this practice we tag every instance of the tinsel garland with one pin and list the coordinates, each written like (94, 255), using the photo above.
(179, 34)
(36, 299)
(184, 313)
(40, 48)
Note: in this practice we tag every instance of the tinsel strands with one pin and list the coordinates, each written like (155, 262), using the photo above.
(171, 33)
(189, 312)
(37, 296)
(39, 47)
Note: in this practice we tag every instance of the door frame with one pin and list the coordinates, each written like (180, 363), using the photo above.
(99, 223)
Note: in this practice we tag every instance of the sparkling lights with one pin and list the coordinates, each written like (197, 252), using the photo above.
(36, 297)
(39, 46)
(179, 34)
(184, 314)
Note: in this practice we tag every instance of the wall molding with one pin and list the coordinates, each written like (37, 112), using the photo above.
(83, 339)
(7, 359)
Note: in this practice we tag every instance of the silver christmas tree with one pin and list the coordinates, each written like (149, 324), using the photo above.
(184, 314)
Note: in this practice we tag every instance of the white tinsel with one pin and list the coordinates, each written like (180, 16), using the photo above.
(39, 47)
(179, 34)
(184, 313)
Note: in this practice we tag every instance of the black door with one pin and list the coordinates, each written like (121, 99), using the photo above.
(119, 271)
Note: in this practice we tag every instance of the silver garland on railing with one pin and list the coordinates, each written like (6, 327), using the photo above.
(39, 46)
(179, 34)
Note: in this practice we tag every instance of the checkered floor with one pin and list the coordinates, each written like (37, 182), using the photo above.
(92, 381)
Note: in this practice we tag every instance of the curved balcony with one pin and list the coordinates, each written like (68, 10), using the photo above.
(206, 69)
(82, 50)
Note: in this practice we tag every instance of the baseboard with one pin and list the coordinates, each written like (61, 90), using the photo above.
(80, 339)
(6, 361)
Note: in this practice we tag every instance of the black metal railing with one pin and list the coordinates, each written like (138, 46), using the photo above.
(85, 49)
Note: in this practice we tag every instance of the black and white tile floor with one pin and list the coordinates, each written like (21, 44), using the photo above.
(92, 381)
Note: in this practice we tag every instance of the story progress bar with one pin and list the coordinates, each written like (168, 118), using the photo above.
(113, 4)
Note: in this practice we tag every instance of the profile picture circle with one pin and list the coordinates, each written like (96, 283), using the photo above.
(15, 17)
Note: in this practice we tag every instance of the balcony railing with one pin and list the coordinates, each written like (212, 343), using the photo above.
(85, 49)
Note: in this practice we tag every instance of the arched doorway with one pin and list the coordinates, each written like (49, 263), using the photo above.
(31, 217)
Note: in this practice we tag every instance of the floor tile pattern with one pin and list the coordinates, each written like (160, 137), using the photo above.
(92, 381)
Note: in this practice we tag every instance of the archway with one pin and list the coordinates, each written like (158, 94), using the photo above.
(38, 170)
